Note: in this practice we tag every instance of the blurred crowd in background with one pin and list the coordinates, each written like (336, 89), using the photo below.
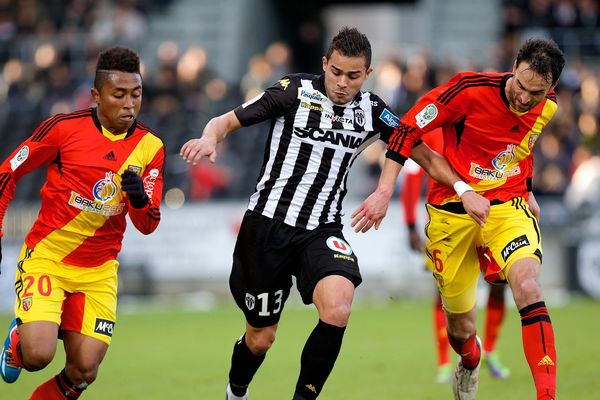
(48, 50)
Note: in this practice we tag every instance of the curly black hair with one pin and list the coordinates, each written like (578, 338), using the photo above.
(116, 59)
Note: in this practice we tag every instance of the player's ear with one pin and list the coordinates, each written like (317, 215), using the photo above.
(368, 72)
(95, 95)
(324, 63)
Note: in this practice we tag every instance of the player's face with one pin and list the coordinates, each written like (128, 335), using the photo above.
(526, 89)
(119, 99)
(344, 76)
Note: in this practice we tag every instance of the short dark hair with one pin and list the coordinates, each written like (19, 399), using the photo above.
(350, 42)
(116, 59)
(543, 56)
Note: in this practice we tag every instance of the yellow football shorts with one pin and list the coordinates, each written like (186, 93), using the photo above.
(78, 299)
(458, 249)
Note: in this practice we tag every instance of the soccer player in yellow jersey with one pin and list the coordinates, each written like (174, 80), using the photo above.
(102, 165)
(490, 123)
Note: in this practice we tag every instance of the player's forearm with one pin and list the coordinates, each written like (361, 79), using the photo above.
(219, 127)
(388, 177)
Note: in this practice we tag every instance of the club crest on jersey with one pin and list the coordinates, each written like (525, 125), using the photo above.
(105, 189)
(135, 168)
(339, 245)
(426, 115)
(505, 158)
(27, 302)
(359, 117)
(19, 158)
(250, 301)
(389, 118)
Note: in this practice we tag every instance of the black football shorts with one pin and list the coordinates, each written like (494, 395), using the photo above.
(269, 252)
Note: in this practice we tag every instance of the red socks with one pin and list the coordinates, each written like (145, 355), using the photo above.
(493, 322)
(440, 332)
(469, 352)
(56, 388)
(538, 343)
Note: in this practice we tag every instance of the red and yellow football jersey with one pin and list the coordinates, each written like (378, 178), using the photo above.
(486, 142)
(82, 217)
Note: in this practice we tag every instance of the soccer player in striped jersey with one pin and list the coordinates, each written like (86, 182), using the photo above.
(495, 309)
(319, 125)
(102, 165)
(490, 123)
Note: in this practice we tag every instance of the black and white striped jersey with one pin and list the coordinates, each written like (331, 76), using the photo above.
(311, 146)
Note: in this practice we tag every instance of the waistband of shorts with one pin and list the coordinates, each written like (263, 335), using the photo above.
(456, 207)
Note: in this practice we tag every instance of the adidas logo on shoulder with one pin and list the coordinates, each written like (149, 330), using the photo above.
(515, 129)
(110, 156)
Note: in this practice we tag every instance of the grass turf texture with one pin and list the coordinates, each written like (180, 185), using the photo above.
(387, 354)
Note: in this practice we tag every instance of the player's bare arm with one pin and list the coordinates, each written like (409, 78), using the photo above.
(372, 211)
(214, 132)
(477, 206)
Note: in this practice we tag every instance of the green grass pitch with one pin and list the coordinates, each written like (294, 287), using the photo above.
(388, 353)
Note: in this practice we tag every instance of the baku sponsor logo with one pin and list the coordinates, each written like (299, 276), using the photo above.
(504, 158)
(311, 96)
(81, 203)
(426, 115)
(515, 244)
(19, 158)
(389, 118)
(284, 83)
(339, 245)
(104, 327)
(337, 138)
(250, 301)
(488, 174)
(105, 189)
(27, 302)
(359, 117)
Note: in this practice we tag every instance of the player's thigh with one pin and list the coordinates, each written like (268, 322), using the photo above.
(326, 252)
(39, 289)
(260, 279)
(91, 303)
(452, 257)
(512, 233)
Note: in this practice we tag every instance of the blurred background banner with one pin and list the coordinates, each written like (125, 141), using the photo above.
(202, 58)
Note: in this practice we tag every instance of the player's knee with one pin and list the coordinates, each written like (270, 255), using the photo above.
(337, 315)
(259, 343)
(82, 375)
(461, 330)
(36, 358)
(527, 292)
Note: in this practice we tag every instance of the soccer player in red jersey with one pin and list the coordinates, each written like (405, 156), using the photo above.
(495, 309)
(490, 123)
(102, 164)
